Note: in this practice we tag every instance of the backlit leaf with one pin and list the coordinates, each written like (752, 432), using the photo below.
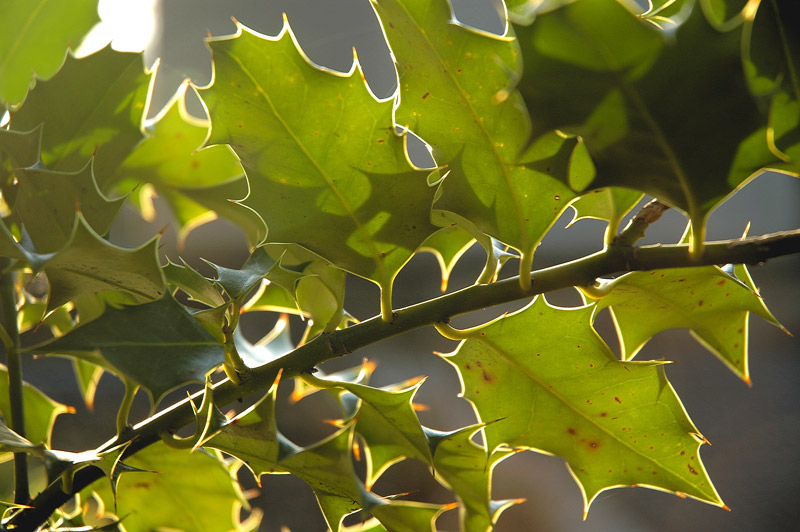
(40, 410)
(554, 386)
(208, 496)
(708, 301)
(35, 39)
(311, 178)
(457, 92)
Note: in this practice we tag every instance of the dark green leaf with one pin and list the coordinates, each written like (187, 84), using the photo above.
(89, 264)
(106, 93)
(158, 345)
(647, 104)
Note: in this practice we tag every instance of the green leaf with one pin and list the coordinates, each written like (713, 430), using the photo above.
(772, 61)
(22, 147)
(209, 498)
(554, 386)
(457, 92)
(11, 442)
(648, 104)
(312, 180)
(709, 302)
(448, 244)
(169, 160)
(159, 345)
(48, 201)
(40, 410)
(259, 265)
(389, 425)
(35, 40)
(106, 93)
(197, 287)
(89, 264)
(465, 467)
(610, 204)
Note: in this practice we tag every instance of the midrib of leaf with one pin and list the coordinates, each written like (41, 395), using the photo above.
(20, 37)
(320, 170)
(563, 400)
(85, 123)
(476, 120)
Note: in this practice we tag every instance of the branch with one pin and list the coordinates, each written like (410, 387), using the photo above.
(581, 272)
(8, 321)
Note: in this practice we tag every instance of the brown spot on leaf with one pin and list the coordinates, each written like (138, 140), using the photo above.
(691, 469)
(571, 431)
(603, 414)
(426, 95)
(593, 445)
(487, 377)
(617, 399)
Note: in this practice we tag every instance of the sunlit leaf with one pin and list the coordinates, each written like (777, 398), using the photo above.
(466, 468)
(554, 386)
(303, 149)
(708, 301)
(448, 245)
(610, 204)
(208, 495)
(457, 92)
(40, 410)
(35, 40)
(47, 202)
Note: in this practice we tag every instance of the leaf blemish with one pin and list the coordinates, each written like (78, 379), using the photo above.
(617, 399)
(691, 469)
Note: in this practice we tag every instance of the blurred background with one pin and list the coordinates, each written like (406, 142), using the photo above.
(753, 461)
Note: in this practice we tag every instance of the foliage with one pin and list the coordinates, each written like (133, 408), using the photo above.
(585, 105)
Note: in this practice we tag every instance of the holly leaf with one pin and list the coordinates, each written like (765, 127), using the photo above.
(11, 442)
(714, 305)
(610, 204)
(22, 147)
(259, 265)
(555, 387)
(466, 468)
(648, 105)
(196, 286)
(89, 264)
(107, 92)
(210, 500)
(40, 410)
(371, 209)
(48, 201)
(772, 75)
(158, 345)
(450, 75)
(35, 41)
(448, 244)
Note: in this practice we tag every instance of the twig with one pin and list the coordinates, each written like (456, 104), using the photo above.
(647, 215)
